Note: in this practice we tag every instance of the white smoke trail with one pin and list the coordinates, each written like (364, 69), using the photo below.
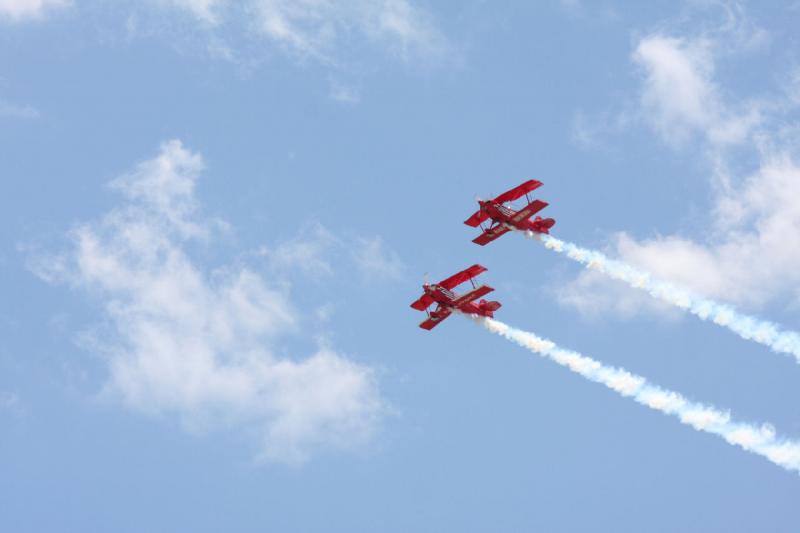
(760, 440)
(747, 327)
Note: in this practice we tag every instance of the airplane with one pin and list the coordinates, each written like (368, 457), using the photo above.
(447, 301)
(505, 219)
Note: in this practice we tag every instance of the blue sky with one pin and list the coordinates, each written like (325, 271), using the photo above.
(215, 215)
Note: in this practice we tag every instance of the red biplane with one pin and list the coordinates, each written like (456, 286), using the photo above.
(447, 301)
(504, 219)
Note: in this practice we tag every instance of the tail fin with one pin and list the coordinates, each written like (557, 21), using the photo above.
(489, 307)
(543, 225)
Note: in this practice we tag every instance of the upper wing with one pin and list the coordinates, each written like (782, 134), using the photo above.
(519, 190)
(461, 277)
(491, 234)
(528, 211)
(432, 321)
(474, 294)
(422, 303)
(479, 216)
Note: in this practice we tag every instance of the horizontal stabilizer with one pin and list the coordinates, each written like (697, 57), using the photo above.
(543, 225)
(435, 318)
(491, 306)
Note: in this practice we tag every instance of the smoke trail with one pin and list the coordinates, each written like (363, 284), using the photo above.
(747, 327)
(760, 440)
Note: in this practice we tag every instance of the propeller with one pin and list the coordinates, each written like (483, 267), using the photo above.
(425, 279)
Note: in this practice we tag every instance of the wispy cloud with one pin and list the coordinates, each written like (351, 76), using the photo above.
(375, 260)
(22, 10)
(18, 111)
(320, 30)
(309, 252)
(344, 93)
(206, 11)
(315, 27)
(315, 250)
(197, 344)
(10, 402)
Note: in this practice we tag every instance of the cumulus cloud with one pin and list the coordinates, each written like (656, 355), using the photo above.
(20, 10)
(679, 95)
(198, 344)
(754, 256)
(750, 253)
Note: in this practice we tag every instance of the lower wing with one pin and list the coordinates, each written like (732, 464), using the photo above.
(490, 234)
(436, 318)
(474, 294)
(528, 211)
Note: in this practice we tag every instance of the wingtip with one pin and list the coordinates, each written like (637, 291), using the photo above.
(473, 221)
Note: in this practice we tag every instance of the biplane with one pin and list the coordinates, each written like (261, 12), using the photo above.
(504, 219)
(448, 301)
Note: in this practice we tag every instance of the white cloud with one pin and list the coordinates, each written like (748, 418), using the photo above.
(197, 344)
(595, 296)
(755, 254)
(406, 28)
(344, 94)
(19, 10)
(18, 111)
(324, 312)
(9, 401)
(750, 250)
(206, 11)
(308, 252)
(751, 255)
(679, 97)
(375, 260)
(315, 251)
(317, 29)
